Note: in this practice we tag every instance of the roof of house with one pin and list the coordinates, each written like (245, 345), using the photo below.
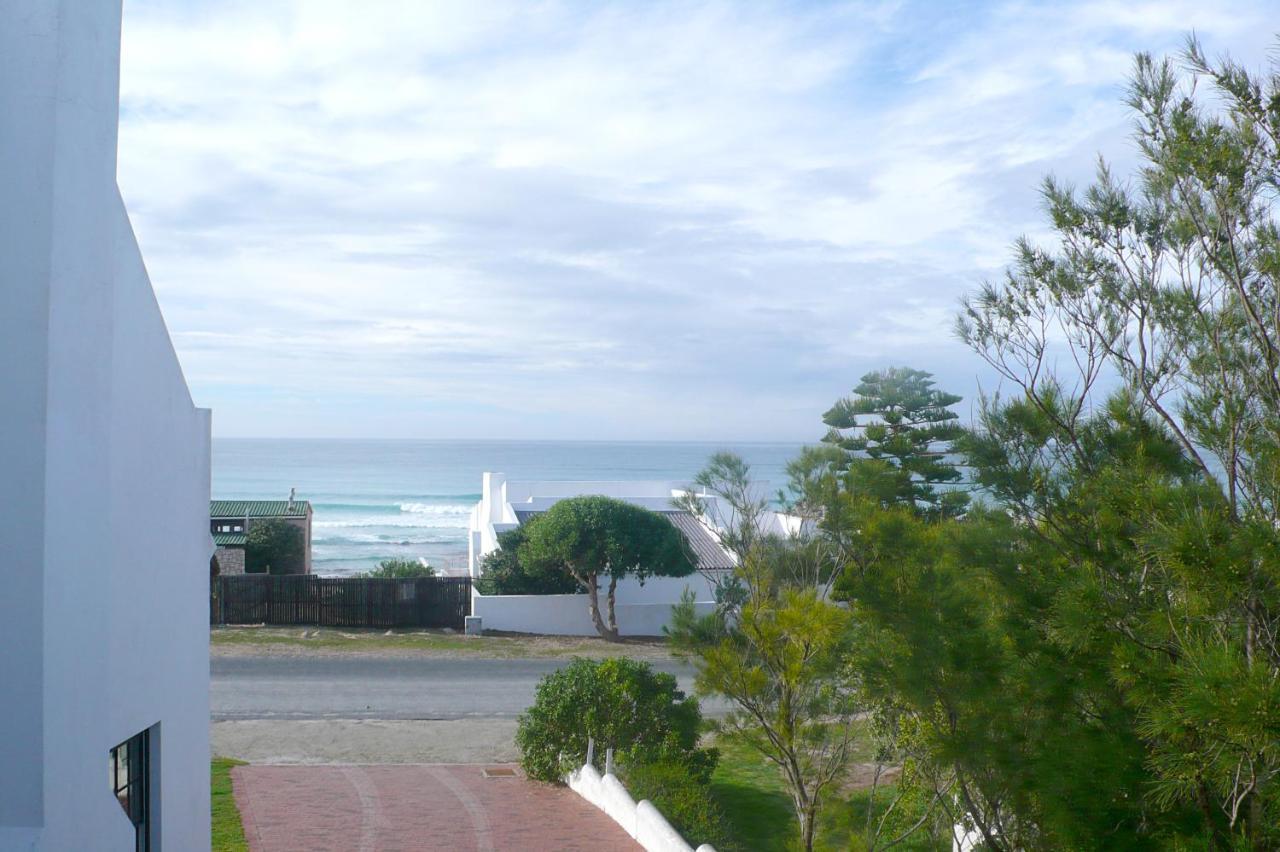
(229, 539)
(258, 509)
(708, 552)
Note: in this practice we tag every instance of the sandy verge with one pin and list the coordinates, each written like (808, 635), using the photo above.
(330, 642)
(366, 741)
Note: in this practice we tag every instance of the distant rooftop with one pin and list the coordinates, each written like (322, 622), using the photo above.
(258, 508)
(710, 555)
(229, 539)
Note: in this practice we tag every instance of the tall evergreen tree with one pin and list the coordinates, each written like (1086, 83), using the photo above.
(897, 431)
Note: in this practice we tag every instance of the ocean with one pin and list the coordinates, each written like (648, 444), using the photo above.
(378, 499)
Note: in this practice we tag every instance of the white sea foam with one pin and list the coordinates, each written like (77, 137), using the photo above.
(446, 509)
(456, 521)
(399, 538)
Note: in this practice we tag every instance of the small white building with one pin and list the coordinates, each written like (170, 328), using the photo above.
(104, 475)
(642, 610)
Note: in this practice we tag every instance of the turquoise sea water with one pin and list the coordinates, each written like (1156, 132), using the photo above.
(375, 499)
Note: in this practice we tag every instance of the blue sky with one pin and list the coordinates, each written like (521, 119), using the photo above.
(618, 221)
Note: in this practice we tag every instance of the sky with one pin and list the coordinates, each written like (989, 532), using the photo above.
(637, 220)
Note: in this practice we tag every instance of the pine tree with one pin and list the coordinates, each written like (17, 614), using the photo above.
(897, 430)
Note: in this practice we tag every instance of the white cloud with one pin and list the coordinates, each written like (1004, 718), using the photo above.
(623, 220)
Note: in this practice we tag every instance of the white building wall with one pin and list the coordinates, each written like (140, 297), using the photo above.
(103, 503)
(566, 615)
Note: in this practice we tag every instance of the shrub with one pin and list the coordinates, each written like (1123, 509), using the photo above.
(683, 795)
(400, 569)
(502, 573)
(274, 546)
(621, 703)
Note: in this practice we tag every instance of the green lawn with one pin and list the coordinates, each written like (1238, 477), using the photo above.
(760, 816)
(228, 834)
(431, 642)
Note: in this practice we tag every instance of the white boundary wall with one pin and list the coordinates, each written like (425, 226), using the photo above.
(105, 467)
(641, 610)
(642, 821)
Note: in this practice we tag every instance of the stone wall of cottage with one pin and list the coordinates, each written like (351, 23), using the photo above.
(230, 560)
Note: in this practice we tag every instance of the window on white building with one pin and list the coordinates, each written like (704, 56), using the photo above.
(130, 781)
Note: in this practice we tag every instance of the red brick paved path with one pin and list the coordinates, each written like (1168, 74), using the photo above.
(398, 808)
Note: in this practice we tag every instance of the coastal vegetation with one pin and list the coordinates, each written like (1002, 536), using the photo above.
(620, 704)
(780, 659)
(400, 569)
(652, 727)
(591, 538)
(502, 572)
(274, 546)
(1085, 655)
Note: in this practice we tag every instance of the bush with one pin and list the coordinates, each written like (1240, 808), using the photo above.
(274, 546)
(400, 569)
(683, 794)
(621, 704)
(503, 574)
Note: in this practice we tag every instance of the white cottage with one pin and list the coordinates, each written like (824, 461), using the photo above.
(104, 668)
(643, 610)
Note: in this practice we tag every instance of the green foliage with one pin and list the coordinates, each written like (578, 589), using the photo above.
(895, 432)
(502, 572)
(1092, 662)
(781, 662)
(274, 546)
(724, 495)
(400, 569)
(683, 796)
(591, 537)
(759, 814)
(620, 703)
(227, 830)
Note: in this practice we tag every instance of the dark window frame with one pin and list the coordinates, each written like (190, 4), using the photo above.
(131, 784)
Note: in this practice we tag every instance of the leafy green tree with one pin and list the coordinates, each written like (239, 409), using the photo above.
(781, 662)
(725, 497)
(622, 704)
(400, 569)
(1169, 281)
(502, 572)
(592, 537)
(274, 546)
(896, 432)
(1092, 662)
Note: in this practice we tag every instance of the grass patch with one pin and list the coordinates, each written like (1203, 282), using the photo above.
(430, 642)
(228, 832)
(756, 806)
(759, 814)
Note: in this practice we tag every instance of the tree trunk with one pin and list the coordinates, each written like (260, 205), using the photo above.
(593, 606)
(613, 617)
(807, 824)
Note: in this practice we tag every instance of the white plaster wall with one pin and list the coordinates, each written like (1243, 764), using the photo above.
(644, 822)
(160, 472)
(103, 623)
(641, 611)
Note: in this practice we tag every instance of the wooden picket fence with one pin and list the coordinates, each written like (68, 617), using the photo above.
(340, 601)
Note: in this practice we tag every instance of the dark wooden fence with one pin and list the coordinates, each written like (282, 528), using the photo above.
(340, 601)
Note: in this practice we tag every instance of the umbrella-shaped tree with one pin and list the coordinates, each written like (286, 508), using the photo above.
(594, 537)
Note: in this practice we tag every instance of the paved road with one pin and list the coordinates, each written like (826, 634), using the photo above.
(382, 687)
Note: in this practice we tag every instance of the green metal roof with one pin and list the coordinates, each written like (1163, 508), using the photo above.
(229, 539)
(258, 509)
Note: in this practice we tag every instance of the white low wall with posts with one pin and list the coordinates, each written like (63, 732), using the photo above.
(642, 820)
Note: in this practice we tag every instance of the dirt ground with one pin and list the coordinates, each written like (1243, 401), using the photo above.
(320, 641)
